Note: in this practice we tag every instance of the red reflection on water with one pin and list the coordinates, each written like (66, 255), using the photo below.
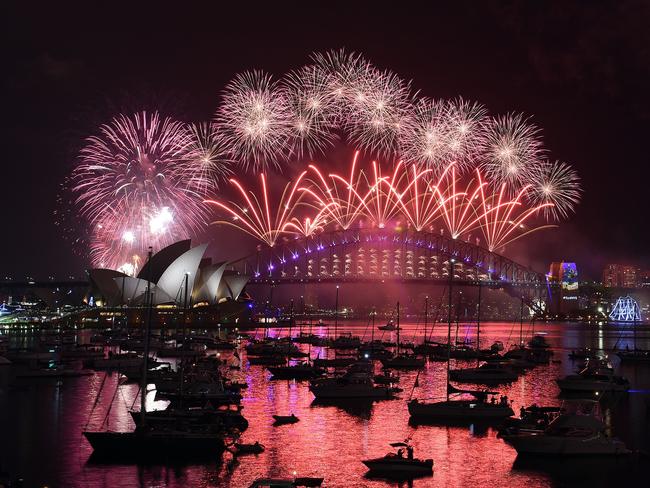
(328, 441)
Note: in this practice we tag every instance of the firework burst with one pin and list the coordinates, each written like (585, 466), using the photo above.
(312, 109)
(133, 188)
(558, 184)
(512, 150)
(206, 163)
(254, 121)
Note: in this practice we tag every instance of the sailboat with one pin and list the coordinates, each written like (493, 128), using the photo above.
(402, 360)
(481, 406)
(155, 441)
(636, 355)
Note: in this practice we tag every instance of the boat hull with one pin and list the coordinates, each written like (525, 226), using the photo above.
(400, 466)
(544, 445)
(459, 410)
(334, 392)
(133, 445)
(590, 386)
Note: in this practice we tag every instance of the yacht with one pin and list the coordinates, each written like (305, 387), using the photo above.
(156, 442)
(403, 361)
(286, 483)
(568, 435)
(357, 382)
(296, 371)
(475, 409)
(489, 373)
(397, 464)
(634, 356)
(597, 378)
(389, 327)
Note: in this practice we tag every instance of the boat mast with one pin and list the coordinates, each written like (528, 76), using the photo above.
(426, 313)
(336, 313)
(521, 322)
(372, 333)
(478, 319)
(398, 328)
(451, 282)
(145, 362)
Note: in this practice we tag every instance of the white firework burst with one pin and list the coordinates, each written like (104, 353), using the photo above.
(556, 183)
(380, 109)
(512, 150)
(312, 110)
(253, 121)
(207, 163)
(465, 136)
(425, 140)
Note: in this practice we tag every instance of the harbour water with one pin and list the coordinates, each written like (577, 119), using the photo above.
(41, 421)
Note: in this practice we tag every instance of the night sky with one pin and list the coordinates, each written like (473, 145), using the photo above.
(581, 69)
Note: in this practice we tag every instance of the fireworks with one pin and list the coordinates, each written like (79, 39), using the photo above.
(137, 186)
(254, 121)
(457, 204)
(556, 183)
(454, 168)
(512, 150)
(253, 213)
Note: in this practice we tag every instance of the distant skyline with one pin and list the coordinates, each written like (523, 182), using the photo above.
(580, 72)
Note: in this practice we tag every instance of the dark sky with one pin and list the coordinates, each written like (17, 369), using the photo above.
(581, 69)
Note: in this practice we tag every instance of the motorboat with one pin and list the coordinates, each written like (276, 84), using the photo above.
(568, 435)
(634, 356)
(386, 379)
(255, 448)
(531, 419)
(397, 464)
(286, 483)
(285, 419)
(157, 443)
(528, 357)
(594, 378)
(228, 418)
(583, 353)
(488, 373)
(296, 371)
(538, 342)
(357, 382)
(476, 408)
(346, 342)
(389, 327)
(120, 361)
(404, 361)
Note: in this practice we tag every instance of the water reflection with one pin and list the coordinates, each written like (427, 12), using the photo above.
(42, 422)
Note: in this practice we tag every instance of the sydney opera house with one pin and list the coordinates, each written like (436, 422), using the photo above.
(178, 276)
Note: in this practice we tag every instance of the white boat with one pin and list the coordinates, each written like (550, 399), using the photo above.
(568, 435)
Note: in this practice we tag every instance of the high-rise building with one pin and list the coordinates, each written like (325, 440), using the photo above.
(620, 276)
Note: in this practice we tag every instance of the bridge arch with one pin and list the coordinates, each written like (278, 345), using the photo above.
(372, 254)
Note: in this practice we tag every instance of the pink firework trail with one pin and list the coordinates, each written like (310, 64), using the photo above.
(253, 214)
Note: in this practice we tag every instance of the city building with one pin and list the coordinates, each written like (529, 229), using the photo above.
(621, 276)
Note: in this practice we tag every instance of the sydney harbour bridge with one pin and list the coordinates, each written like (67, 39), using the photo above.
(382, 255)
